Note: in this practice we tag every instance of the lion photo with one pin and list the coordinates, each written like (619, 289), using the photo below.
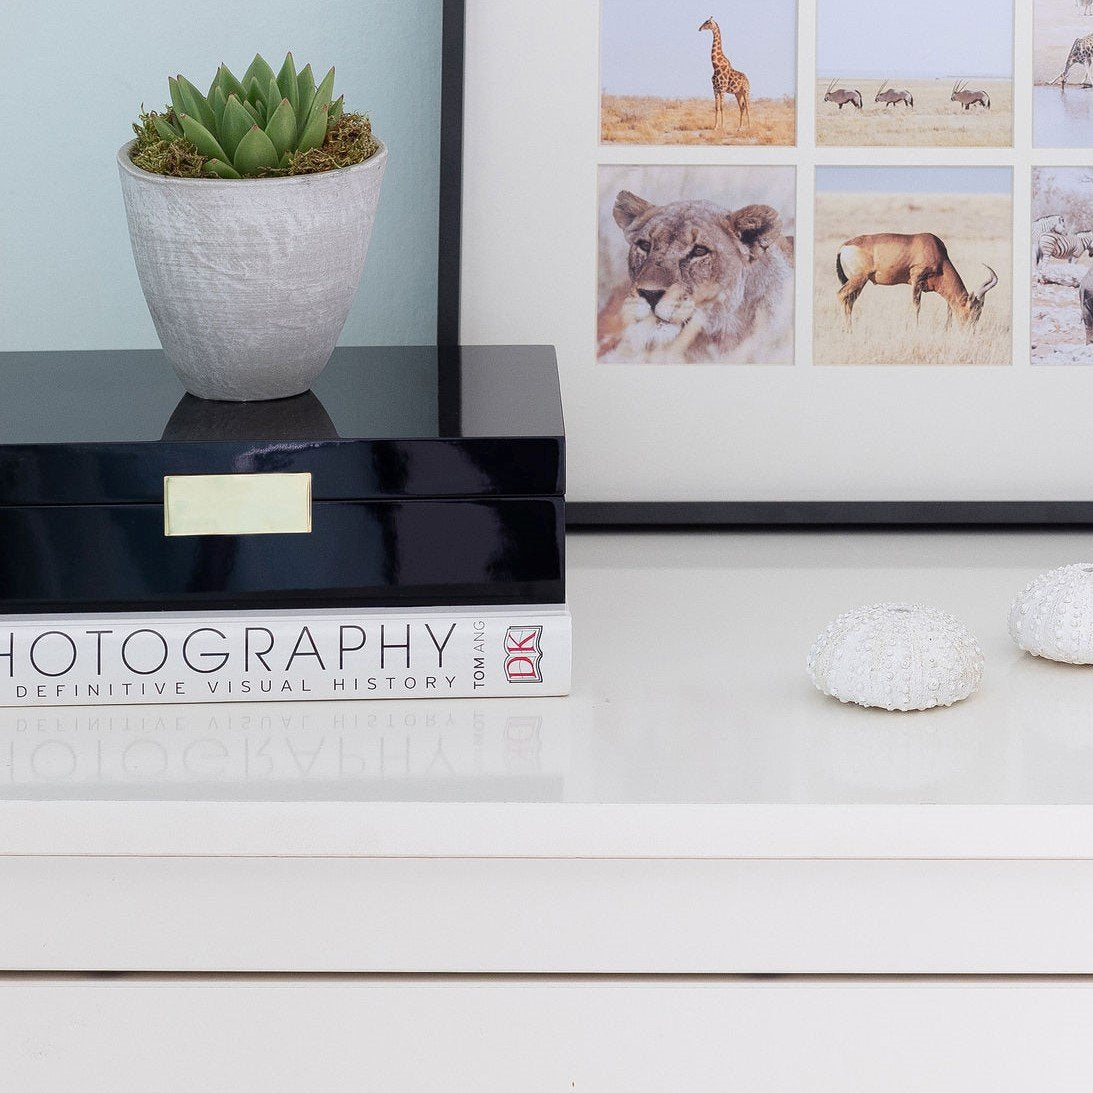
(912, 265)
(678, 73)
(932, 73)
(1062, 265)
(696, 265)
(1062, 94)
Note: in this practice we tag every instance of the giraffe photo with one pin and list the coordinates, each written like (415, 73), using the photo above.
(1062, 72)
(678, 73)
(935, 73)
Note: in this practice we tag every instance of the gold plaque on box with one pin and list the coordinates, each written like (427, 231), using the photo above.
(236, 504)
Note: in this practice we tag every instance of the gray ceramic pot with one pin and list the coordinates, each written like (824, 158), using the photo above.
(249, 282)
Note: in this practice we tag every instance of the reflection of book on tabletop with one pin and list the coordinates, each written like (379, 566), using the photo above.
(399, 750)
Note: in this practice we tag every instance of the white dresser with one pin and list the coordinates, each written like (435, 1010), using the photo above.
(694, 873)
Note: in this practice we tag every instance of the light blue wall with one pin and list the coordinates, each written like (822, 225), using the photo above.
(74, 76)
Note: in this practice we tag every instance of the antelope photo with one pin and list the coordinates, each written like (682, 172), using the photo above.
(890, 97)
(921, 261)
(842, 95)
(968, 99)
(924, 55)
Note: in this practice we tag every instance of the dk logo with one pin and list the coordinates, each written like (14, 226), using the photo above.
(523, 654)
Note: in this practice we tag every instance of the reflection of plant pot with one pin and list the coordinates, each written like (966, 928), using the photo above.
(301, 418)
(249, 281)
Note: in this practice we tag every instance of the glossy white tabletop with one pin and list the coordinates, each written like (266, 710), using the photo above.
(692, 730)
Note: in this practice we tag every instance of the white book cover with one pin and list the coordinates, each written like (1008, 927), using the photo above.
(240, 656)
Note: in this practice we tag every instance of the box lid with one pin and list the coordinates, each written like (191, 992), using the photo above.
(105, 427)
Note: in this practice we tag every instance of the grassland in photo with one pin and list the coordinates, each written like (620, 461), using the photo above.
(934, 121)
(976, 229)
(645, 119)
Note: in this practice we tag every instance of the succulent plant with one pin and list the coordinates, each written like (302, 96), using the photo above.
(250, 127)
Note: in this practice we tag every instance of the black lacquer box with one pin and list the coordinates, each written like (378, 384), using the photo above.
(408, 476)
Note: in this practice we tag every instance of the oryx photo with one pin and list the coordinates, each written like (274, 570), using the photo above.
(934, 73)
(1062, 265)
(1062, 95)
(912, 265)
(684, 73)
(696, 265)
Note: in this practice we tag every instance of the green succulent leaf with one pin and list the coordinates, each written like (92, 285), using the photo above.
(315, 131)
(254, 92)
(259, 70)
(164, 128)
(218, 102)
(201, 138)
(321, 102)
(228, 83)
(282, 127)
(252, 111)
(196, 104)
(337, 108)
(273, 97)
(235, 124)
(288, 82)
(324, 93)
(255, 153)
(306, 84)
(176, 97)
(219, 167)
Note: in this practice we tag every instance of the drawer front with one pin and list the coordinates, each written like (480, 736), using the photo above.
(346, 914)
(514, 1035)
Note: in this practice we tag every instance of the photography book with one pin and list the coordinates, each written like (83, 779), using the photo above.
(240, 656)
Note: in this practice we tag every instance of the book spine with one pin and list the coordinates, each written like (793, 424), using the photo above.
(290, 657)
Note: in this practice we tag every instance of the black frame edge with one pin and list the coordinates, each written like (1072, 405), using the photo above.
(450, 224)
(815, 514)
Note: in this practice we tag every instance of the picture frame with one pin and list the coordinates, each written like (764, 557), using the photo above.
(485, 109)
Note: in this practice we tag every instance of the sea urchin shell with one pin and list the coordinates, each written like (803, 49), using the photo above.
(1053, 616)
(896, 656)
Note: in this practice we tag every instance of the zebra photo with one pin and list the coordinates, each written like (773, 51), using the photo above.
(1061, 262)
(1063, 246)
(1054, 223)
